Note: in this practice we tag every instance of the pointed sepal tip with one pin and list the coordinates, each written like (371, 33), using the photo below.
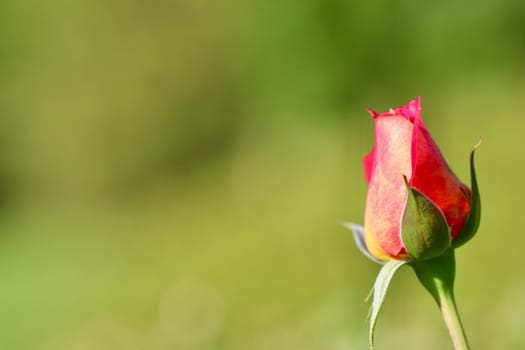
(473, 220)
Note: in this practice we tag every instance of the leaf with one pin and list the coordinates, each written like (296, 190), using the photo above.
(380, 288)
(424, 229)
(359, 237)
(474, 217)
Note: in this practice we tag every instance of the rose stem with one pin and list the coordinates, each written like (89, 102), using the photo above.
(437, 276)
(450, 314)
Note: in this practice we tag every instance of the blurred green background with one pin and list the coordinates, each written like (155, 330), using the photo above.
(174, 174)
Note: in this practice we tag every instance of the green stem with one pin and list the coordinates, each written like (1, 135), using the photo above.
(437, 276)
(450, 315)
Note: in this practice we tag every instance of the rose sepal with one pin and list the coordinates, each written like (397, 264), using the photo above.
(424, 230)
(383, 279)
(474, 217)
(358, 232)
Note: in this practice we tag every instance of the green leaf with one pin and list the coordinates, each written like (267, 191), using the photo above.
(424, 229)
(380, 288)
(474, 217)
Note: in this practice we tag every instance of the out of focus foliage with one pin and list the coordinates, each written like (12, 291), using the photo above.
(173, 175)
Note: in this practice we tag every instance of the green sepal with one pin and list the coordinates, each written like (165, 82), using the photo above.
(474, 217)
(424, 229)
(380, 288)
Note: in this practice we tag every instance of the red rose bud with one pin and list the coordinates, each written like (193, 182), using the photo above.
(416, 207)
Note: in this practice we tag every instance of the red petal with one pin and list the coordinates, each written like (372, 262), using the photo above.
(372, 113)
(412, 110)
(432, 176)
(387, 189)
(368, 165)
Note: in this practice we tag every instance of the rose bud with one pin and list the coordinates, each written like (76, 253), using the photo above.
(416, 207)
